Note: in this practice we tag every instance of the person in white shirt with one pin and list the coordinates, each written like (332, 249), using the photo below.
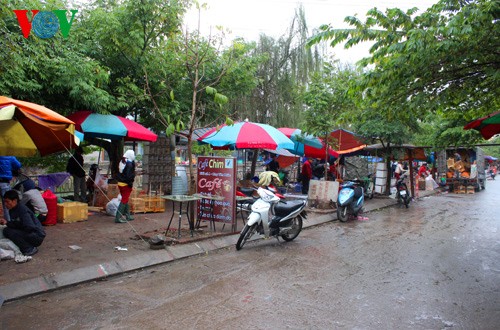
(32, 198)
(399, 170)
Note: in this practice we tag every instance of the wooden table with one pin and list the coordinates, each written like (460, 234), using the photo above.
(179, 199)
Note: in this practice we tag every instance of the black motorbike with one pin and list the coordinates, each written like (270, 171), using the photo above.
(402, 193)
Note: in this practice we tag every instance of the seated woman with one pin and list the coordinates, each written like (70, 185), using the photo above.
(33, 199)
(23, 228)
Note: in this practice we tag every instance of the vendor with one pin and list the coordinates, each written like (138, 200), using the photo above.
(423, 171)
(33, 199)
(23, 228)
(273, 164)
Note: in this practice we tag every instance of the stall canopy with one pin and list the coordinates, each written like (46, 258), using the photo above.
(347, 142)
(418, 153)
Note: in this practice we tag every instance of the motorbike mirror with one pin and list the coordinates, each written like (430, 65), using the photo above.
(265, 194)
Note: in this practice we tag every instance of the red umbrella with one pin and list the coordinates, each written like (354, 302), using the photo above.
(488, 126)
(110, 127)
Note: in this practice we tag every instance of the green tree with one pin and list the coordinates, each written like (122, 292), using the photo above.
(443, 61)
(54, 72)
(328, 102)
(130, 38)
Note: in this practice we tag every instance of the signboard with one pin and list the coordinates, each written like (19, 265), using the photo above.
(217, 177)
(322, 192)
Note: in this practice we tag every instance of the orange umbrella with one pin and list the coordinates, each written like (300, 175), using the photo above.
(27, 128)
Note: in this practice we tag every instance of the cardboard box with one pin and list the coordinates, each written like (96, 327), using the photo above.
(379, 189)
(72, 212)
(380, 181)
(112, 191)
(381, 174)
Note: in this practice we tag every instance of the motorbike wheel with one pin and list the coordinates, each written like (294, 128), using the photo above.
(245, 234)
(296, 229)
(407, 199)
(342, 213)
(369, 190)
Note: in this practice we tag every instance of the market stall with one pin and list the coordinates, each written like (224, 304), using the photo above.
(463, 169)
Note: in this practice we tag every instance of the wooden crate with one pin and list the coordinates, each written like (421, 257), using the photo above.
(112, 191)
(137, 205)
(72, 212)
(100, 199)
(154, 204)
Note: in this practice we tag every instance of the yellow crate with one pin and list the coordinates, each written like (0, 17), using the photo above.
(137, 205)
(154, 204)
(72, 212)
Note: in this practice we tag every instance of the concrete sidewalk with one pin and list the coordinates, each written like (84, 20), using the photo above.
(86, 251)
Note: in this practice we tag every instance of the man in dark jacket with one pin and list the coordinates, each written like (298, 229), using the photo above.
(8, 165)
(23, 228)
(75, 168)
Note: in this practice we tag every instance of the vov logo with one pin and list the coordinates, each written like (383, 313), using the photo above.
(45, 23)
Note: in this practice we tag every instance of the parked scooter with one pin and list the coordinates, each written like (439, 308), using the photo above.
(368, 186)
(402, 193)
(350, 200)
(273, 217)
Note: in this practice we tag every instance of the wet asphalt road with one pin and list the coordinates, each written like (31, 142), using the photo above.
(435, 265)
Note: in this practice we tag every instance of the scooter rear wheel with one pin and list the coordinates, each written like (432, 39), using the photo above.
(295, 231)
(245, 234)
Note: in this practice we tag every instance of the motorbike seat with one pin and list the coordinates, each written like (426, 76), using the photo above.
(358, 192)
(247, 191)
(283, 209)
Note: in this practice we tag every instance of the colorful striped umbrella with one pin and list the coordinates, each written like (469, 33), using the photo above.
(306, 144)
(247, 135)
(488, 126)
(110, 127)
(27, 128)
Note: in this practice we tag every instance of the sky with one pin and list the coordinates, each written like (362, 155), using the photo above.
(250, 18)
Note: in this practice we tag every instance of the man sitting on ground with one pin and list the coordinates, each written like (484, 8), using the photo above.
(23, 228)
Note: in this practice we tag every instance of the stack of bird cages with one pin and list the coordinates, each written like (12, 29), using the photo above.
(158, 166)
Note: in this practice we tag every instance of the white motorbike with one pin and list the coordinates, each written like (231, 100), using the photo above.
(273, 217)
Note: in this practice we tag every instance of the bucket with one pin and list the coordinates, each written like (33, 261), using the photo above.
(179, 187)
(51, 200)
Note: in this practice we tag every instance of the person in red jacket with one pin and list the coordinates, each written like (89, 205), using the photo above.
(306, 175)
